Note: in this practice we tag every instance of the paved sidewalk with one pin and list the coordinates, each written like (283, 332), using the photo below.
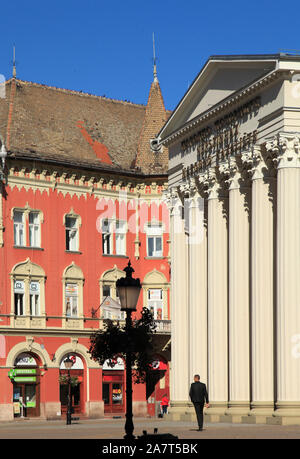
(114, 429)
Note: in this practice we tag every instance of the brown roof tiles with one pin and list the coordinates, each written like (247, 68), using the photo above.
(73, 127)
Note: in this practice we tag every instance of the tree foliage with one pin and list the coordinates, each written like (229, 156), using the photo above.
(114, 341)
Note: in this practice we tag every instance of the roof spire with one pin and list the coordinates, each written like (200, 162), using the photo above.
(14, 62)
(154, 62)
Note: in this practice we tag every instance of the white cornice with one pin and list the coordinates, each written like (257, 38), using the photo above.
(229, 102)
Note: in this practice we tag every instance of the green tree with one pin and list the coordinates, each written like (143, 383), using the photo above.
(114, 341)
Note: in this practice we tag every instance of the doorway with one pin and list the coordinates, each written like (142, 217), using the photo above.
(76, 391)
(26, 400)
(113, 392)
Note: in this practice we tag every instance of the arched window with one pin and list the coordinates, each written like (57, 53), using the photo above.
(155, 294)
(28, 290)
(72, 223)
(73, 281)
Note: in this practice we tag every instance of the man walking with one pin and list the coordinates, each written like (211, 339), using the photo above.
(199, 395)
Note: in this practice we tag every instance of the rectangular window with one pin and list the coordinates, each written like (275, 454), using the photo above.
(105, 291)
(154, 241)
(19, 292)
(72, 234)
(34, 229)
(107, 243)
(34, 295)
(120, 237)
(19, 233)
(71, 299)
(155, 303)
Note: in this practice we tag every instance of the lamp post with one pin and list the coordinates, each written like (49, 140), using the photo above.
(128, 290)
(68, 364)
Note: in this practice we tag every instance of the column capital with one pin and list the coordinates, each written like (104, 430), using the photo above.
(171, 199)
(285, 149)
(211, 183)
(234, 172)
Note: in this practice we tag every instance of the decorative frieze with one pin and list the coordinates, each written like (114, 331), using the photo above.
(77, 184)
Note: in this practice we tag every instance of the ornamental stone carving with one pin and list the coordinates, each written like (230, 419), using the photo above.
(285, 148)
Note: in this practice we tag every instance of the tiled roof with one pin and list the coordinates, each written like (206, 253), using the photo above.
(44, 122)
(155, 117)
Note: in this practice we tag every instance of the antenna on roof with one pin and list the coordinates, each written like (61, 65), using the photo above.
(14, 62)
(154, 61)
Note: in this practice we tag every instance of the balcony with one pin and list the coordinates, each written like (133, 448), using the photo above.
(163, 327)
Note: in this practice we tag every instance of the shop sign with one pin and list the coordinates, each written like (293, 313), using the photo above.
(118, 364)
(21, 371)
(25, 379)
(77, 362)
(30, 405)
(17, 408)
(25, 359)
(158, 365)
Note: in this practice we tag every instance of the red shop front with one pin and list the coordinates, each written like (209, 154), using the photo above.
(113, 388)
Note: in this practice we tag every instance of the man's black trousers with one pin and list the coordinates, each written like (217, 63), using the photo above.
(199, 413)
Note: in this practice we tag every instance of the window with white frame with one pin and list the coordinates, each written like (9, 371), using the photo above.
(19, 294)
(154, 240)
(120, 237)
(34, 229)
(19, 228)
(71, 299)
(155, 302)
(28, 289)
(107, 239)
(34, 297)
(72, 240)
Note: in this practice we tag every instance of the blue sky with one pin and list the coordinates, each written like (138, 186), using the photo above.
(105, 47)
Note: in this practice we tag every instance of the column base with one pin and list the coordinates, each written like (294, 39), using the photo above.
(237, 410)
(181, 411)
(217, 412)
(288, 412)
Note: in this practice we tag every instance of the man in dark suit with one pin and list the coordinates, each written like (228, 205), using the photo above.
(198, 396)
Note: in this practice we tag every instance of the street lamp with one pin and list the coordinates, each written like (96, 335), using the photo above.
(128, 291)
(68, 365)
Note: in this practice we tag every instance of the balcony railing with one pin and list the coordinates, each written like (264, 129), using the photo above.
(27, 321)
(163, 326)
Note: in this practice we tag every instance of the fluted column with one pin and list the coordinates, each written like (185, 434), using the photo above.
(262, 274)
(179, 309)
(197, 287)
(286, 151)
(217, 296)
(239, 321)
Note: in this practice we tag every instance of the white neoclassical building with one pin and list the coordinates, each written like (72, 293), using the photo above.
(234, 195)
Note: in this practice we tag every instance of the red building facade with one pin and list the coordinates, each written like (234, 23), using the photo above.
(81, 194)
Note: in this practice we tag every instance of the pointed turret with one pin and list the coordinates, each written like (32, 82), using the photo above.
(152, 158)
